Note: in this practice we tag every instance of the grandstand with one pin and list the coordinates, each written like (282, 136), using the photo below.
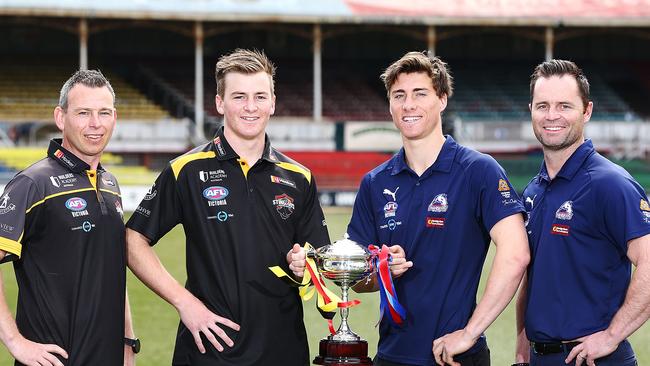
(329, 56)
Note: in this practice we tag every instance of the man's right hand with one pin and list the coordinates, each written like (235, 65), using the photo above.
(36, 354)
(199, 319)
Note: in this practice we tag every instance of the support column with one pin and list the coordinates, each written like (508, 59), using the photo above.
(199, 119)
(318, 77)
(550, 42)
(83, 44)
(431, 39)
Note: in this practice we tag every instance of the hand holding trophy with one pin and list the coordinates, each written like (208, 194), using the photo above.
(345, 263)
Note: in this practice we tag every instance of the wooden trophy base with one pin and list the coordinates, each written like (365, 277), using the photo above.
(339, 353)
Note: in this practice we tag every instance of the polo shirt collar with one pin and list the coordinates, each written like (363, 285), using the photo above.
(224, 151)
(67, 159)
(443, 162)
(573, 164)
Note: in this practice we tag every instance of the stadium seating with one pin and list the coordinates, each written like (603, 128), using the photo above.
(29, 93)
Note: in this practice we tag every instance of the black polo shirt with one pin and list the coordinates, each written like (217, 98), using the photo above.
(238, 221)
(62, 225)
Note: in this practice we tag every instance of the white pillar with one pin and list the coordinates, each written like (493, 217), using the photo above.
(318, 82)
(431, 39)
(550, 40)
(83, 44)
(198, 82)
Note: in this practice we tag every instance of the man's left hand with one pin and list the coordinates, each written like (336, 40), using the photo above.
(449, 345)
(592, 347)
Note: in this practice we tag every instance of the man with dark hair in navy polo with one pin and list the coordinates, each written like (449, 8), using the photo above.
(441, 202)
(588, 221)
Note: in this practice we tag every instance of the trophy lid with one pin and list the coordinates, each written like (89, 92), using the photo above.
(344, 248)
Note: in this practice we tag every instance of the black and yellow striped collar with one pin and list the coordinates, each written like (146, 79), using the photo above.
(224, 151)
(67, 159)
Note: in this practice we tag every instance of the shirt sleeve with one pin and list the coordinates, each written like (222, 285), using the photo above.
(362, 224)
(312, 226)
(625, 210)
(496, 199)
(160, 209)
(20, 194)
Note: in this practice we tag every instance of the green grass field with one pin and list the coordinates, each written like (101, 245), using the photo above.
(156, 321)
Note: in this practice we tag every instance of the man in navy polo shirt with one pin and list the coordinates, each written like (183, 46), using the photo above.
(588, 220)
(441, 202)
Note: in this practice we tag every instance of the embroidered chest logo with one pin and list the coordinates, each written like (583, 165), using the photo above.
(216, 195)
(284, 205)
(439, 203)
(390, 208)
(77, 205)
(5, 206)
(280, 180)
(565, 212)
(212, 175)
(392, 194)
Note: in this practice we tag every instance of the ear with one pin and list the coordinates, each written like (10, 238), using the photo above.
(59, 119)
(530, 107)
(587, 115)
(218, 101)
(443, 102)
(272, 105)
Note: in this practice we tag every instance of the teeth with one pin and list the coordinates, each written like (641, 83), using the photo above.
(249, 118)
(410, 119)
(553, 128)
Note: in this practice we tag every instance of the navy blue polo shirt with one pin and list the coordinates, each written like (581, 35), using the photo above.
(578, 228)
(442, 219)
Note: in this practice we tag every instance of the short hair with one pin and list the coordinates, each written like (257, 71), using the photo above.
(560, 68)
(245, 62)
(420, 62)
(89, 78)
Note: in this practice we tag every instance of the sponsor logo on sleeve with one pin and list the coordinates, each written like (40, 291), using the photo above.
(504, 188)
(6, 228)
(390, 208)
(435, 222)
(283, 181)
(439, 203)
(284, 205)
(143, 211)
(5, 205)
(151, 193)
(558, 229)
(108, 182)
(644, 205)
(118, 209)
(77, 205)
(565, 212)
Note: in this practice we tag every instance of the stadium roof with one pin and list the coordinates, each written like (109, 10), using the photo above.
(430, 12)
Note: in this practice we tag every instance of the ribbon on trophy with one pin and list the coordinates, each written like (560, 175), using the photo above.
(388, 295)
(327, 302)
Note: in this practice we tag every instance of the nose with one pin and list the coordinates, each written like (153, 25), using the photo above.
(409, 103)
(552, 114)
(250, 105)
(93, 120)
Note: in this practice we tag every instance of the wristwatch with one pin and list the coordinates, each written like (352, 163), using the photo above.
(133, 343)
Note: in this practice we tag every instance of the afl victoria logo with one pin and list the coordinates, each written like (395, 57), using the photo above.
(215, 193)
(75, 204)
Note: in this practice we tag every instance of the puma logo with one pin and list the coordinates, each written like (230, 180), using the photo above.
(392, 194)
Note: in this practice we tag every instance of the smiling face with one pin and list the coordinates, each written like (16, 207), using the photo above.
(247, 104)
(415, 106)
(558, 112)
(87, 123)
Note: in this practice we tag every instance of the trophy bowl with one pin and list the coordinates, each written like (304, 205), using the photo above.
(344, 262)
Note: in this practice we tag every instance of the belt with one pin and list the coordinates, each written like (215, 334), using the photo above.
(549, 348)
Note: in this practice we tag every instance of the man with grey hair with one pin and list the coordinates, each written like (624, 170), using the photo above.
(61, 224)
(243, 206)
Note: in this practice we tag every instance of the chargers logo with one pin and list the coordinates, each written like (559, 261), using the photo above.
(439, 203)
(215, 193)
(565, 212)
(75, 204)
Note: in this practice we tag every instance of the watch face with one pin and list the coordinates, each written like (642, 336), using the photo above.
(136, 346)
